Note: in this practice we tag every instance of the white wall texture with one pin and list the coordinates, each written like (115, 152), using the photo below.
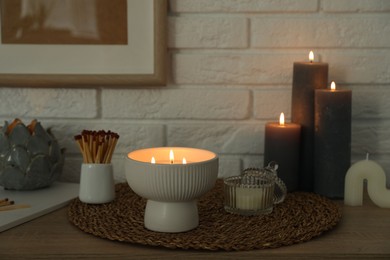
(230, 72)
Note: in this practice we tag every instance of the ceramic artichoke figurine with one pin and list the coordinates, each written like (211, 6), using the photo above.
(30, 156)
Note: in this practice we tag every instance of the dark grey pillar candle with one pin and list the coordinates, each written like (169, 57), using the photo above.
(281, 145)
(332, 141)
(307, 76)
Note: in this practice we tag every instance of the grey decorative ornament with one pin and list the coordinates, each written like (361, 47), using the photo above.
(30, 156)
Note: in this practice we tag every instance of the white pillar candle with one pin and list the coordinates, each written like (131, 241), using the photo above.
(376, 184)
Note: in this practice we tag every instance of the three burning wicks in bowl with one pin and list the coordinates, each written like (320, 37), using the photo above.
(97, 146)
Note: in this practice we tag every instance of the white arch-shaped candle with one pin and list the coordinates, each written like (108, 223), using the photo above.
(376, 184)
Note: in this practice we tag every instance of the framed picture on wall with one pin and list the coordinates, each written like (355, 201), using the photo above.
(61, 43)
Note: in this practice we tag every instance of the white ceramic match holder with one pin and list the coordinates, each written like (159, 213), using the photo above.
(96, 183)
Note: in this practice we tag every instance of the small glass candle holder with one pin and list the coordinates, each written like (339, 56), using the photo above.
(254, 192)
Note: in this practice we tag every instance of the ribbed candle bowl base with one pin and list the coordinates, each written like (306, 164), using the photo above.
(171, 216)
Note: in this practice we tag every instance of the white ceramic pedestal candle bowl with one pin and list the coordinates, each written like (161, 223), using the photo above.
(171, 186)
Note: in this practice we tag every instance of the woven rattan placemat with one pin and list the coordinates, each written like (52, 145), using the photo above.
(301, 217)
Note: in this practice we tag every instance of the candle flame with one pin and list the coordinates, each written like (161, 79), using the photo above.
(333, 86)
(281, 119)
(184, 161)
(311, 56)
(171, 156)
(153, 160)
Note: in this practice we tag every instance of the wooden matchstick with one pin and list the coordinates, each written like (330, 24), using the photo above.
(94, 146)
(14, 206)
(115, 138)
(6, 203)
(79, 142)
(98, 153)
(88, 153)
(86, 145)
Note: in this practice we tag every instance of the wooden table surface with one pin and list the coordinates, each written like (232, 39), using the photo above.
(363, 233)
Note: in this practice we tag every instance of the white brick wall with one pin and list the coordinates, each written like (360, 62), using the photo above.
(230, 73)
